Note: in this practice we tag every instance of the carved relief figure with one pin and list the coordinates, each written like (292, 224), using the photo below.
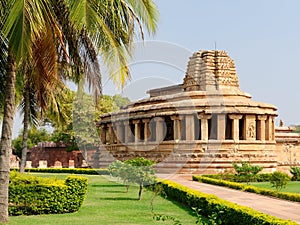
(251, 131)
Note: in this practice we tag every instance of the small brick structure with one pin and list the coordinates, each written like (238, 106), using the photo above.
(56, 154)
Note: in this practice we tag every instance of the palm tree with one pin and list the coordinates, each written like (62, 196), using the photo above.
(88, 40)
(86, 28)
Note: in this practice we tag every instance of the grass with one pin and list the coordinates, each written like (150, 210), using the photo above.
(108, 203)
(291, 187)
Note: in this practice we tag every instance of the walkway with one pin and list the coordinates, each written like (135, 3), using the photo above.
(279, 208)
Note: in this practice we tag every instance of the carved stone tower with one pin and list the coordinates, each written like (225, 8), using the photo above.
(210, 71)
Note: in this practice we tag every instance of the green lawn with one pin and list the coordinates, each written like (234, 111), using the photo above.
(108, 203)
(292, 187)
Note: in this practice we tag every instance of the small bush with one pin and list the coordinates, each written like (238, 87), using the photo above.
(30, 195)
(279, 180)
(295, 171)
(246, 172)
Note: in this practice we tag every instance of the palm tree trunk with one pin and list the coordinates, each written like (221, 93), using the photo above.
(25, 129)
(6, 136)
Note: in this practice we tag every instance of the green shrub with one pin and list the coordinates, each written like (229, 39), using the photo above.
(279, 180)
(261, 177)
(295, 171)
(68, 170)
(248, 188)
(246, 172)
(211, 205)
(29, 195)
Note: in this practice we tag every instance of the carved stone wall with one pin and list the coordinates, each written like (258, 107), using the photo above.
(210, 70)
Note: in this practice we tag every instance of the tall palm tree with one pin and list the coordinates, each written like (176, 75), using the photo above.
(86, 28)
(21, 29)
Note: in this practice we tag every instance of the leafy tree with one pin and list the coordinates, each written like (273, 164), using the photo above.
(295, 171)
(138, 170)
(77, 124)
(246, 172)
(34, 137)
(18, 145)
(279, 180)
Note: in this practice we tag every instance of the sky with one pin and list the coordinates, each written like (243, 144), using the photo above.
(262, 36)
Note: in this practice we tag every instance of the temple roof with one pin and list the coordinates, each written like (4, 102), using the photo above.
(210, 70)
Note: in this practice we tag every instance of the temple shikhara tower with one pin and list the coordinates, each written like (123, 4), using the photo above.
(201, 125)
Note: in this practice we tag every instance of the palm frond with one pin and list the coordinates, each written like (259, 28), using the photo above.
(45, 76)
(25, 19)
(147, 11)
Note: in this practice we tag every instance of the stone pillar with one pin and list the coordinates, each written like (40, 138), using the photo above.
(190, 127)
(120, 135)
(250, 127)
(28, 164)
(177, 126)
(204, 125)
(111, 133)
(127, 132)
(273, 129)
(221, 126)
(71, 164)
(235, 126)
(137, 130)
(261, 129)
(103, 134)
(159, 129)
(270, 129)
(147, 132)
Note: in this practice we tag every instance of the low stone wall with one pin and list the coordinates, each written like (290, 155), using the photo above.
(45, 157)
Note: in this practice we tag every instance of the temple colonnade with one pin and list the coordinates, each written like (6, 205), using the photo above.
(190, 127)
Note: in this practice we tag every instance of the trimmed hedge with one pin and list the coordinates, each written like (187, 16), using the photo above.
(262, 177)
(249, 188)
(30, 195)
(67, 170)
(211, 204)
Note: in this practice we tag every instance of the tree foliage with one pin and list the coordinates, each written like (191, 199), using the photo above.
(246, 172)
(35, 136)
(295, 171)
(134, 171)
(279, 180)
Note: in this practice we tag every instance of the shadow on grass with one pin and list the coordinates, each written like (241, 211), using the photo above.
(119, 199)
(124, 191)
(181, 206)
(107, 185)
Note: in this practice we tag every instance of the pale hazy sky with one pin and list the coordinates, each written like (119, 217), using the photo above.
(262, 36)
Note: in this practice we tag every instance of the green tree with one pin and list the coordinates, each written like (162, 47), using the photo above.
(295, 171)
(34, 137)
(279, 180)
(138, 171)
(85, 115)
(246, 172)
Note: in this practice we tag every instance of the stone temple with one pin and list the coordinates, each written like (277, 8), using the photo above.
(199, 126)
